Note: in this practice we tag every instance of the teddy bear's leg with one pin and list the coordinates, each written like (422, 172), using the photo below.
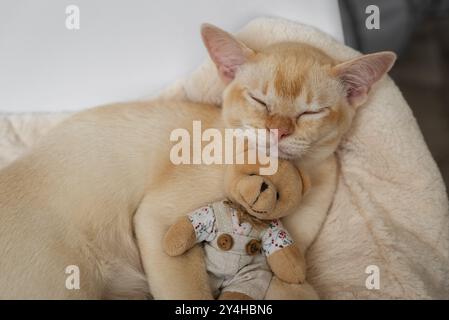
(280, 290)
(230, 295)
(182, 277)
(251, 280)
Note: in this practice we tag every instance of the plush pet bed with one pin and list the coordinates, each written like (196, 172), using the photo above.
(390, 208)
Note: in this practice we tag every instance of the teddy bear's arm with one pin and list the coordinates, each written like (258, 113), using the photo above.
(179, 238)
(288, 264)
(283, 256)
(188, 230)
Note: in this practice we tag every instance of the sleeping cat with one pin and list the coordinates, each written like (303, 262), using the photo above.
(100, 191)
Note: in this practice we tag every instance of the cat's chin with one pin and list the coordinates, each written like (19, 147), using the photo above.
(287, 156)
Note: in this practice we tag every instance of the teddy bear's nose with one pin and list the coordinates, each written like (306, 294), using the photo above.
(263, 187)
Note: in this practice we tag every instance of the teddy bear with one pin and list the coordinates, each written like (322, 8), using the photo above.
(243, 238)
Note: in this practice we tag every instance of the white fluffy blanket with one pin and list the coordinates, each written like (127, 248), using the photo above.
(390, 209)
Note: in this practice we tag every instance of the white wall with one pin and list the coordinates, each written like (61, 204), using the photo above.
(123, 50)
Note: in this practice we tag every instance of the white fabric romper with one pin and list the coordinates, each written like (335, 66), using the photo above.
(236, 252)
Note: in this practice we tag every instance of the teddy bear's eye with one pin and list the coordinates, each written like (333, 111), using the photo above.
(252, 174)
(277, 195)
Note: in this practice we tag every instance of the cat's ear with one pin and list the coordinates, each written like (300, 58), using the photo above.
(226, 52)
(359, 74)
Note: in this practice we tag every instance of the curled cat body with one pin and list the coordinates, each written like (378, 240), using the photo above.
(99, 191)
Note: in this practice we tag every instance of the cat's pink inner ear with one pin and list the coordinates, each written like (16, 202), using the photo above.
(359, 74)
(225, 51)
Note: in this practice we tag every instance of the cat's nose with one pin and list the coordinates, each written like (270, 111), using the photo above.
(282, 124)
(283, 133)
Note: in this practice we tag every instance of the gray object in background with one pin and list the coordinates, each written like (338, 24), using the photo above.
(398, 21)
(418, 31)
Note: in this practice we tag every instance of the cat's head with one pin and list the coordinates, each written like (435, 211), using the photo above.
(293, 87)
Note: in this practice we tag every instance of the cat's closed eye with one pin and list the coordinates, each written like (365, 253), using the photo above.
(259, 101)
(315, 113)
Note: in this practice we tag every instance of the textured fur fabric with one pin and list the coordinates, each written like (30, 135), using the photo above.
(18, 132)
(390, 208)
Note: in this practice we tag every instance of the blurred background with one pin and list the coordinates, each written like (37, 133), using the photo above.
(418, 30)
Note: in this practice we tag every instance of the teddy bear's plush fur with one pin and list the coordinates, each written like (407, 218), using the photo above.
(258, 199)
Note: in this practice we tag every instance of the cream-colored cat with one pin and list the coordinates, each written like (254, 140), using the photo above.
(100, 191)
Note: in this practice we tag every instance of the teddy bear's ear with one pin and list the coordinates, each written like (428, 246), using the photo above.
(306, 183)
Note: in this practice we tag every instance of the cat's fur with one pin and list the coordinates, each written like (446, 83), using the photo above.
(100, 191)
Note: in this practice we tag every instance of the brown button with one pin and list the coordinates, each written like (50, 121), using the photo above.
(253, 247)
(225, 242)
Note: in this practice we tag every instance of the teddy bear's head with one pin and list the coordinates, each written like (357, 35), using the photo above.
(266, 197)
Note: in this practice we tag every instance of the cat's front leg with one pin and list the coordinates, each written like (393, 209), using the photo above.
(178, 278)
(305, 224)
